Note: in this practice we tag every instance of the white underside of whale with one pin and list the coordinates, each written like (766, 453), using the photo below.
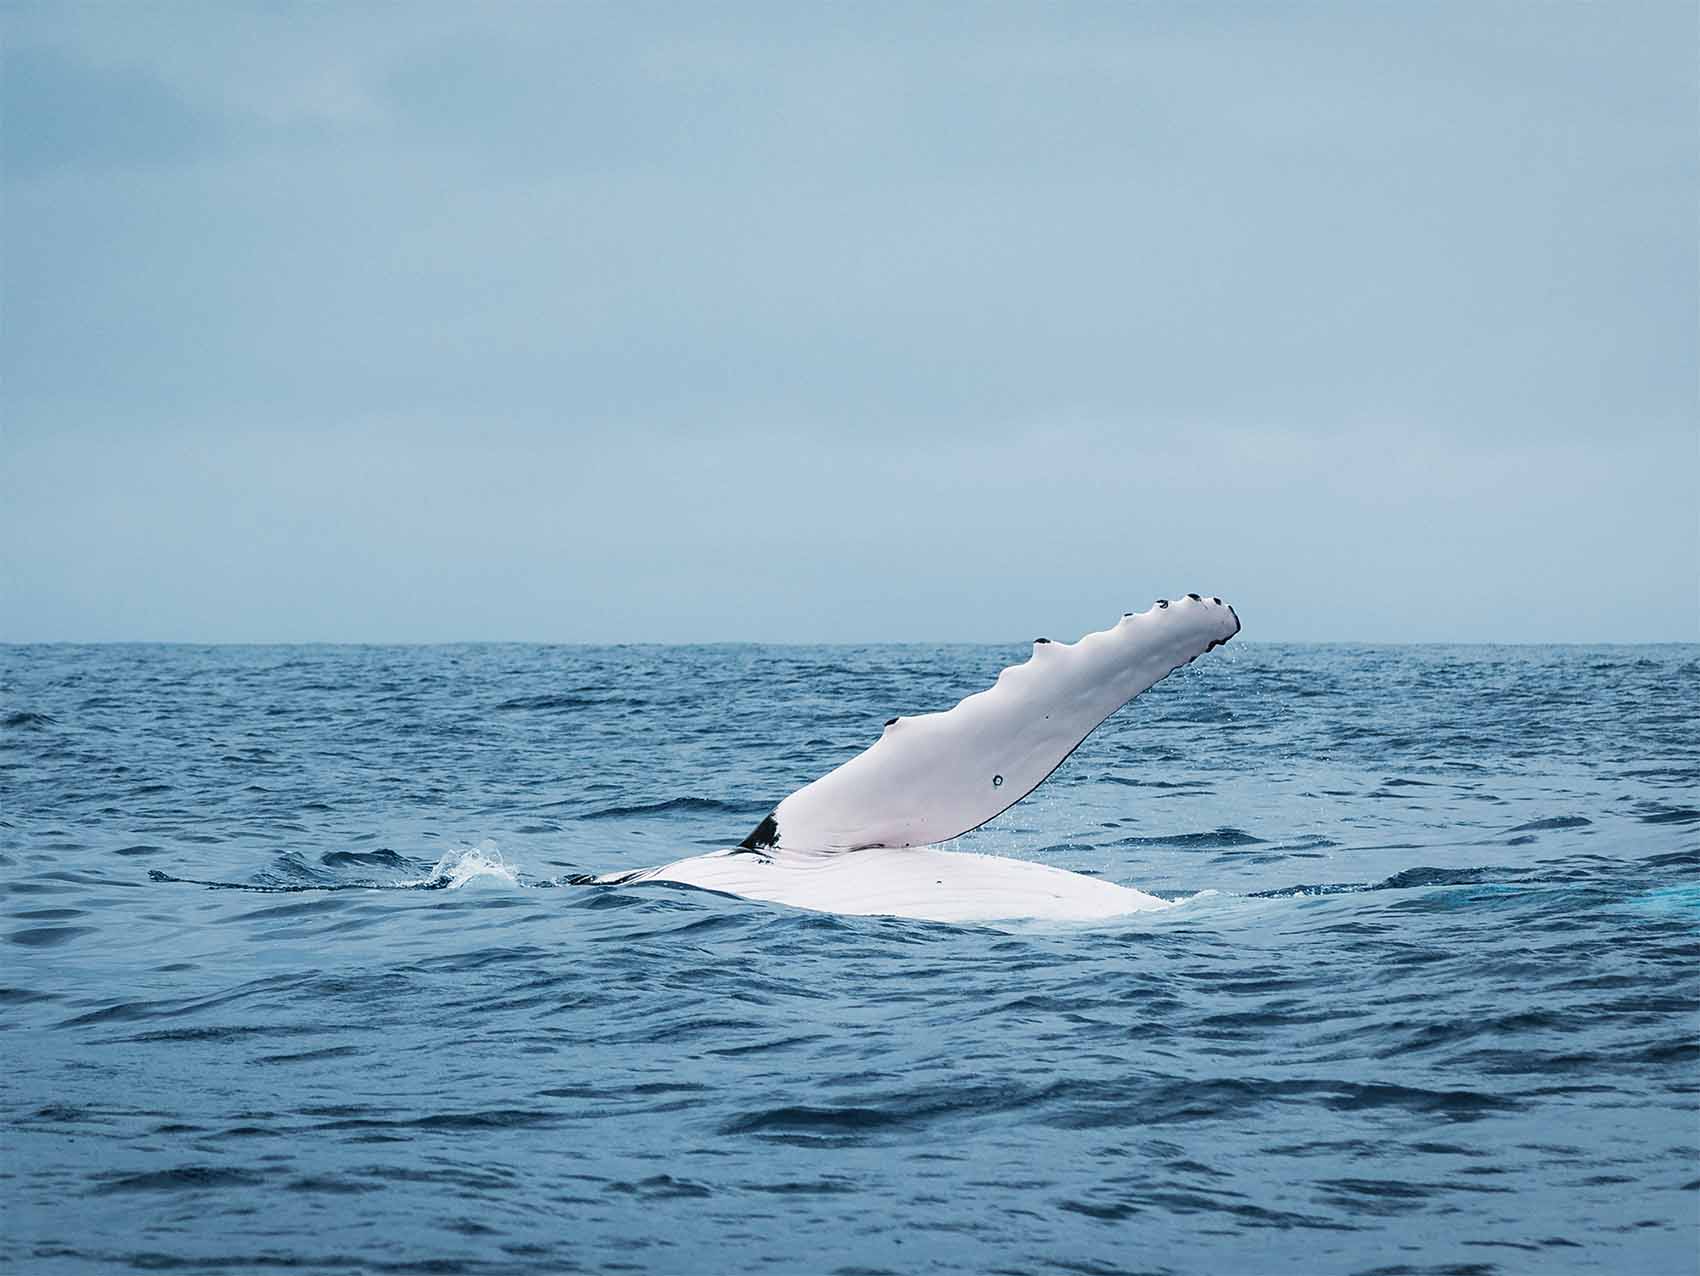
(922, 883)
(860, 839)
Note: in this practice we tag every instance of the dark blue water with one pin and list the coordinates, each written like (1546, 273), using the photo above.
(1440, 1012)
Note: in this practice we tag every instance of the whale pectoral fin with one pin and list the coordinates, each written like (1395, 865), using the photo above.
(935, 776)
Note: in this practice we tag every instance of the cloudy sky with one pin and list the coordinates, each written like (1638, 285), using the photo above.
(813, 322)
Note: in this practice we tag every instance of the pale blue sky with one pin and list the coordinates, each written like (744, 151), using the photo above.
(847, 322)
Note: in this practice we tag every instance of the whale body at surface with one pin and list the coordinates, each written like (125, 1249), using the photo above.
(851, 841)
(918, 882)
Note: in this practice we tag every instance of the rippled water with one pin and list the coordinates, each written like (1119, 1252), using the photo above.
(1436, 1009)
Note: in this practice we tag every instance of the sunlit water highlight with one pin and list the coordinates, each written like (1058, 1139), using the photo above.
(1432, 1003)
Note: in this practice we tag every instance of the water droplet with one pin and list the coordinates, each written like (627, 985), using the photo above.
(997, 781)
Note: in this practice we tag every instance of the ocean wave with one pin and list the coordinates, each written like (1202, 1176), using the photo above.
(673, 806)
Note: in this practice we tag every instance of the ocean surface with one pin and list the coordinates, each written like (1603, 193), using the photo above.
(1431, 1004)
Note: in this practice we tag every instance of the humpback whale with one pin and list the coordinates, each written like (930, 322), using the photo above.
(862, 838)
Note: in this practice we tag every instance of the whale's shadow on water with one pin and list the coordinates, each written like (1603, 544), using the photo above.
(261, 888)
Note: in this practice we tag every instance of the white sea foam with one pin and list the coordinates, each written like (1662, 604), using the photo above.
(457, 867)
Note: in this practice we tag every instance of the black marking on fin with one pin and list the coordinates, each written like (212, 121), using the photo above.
(763, 835)
(1237, 627)
(1040, 641)
(1195, 598)
(1162, 602)
(1217, 601)
(891, 722)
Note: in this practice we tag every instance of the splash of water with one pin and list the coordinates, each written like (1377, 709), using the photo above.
(458, 867)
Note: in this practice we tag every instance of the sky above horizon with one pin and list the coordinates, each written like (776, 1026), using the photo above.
(767, 322)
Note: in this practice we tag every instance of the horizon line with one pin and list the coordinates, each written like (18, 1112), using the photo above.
(753, 642)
